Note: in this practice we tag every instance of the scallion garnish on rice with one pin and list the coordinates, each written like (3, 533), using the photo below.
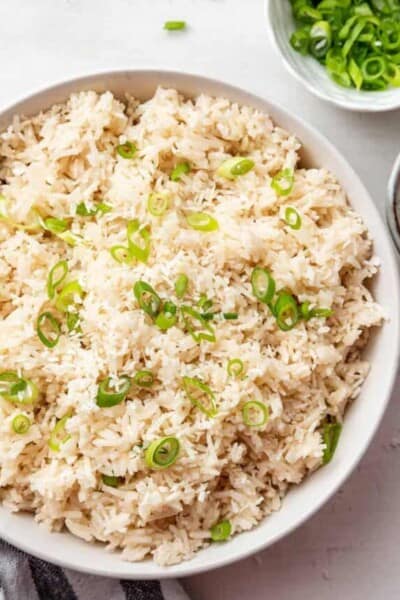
(197, 325)
(235, 167)
(162, 453)
(21, 424)
(182, 168)
(200, 395)
(181, 285)
(221, 531)
(255, 413)
(292, 218)
(59, 436)
(144, 378)
(16, 389)
(158, 203)
(110, 480)
(167, 317)
(283, 182)
(235, 367)
(148, 299)
(55, 277)
(48, 328)
(111, 392)
(262, 284)
(202, 221)
(127, 150)
(330, 436)
(71, 295)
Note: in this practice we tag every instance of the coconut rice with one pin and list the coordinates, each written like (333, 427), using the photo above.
(225, 470)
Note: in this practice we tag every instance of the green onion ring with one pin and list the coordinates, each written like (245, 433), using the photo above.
(235, 166)
(202, 222)
(283, 182)
(197, 326)
(17, 390)
(127, 150)
(71, 294)
(111, 395)
(162, 453)
(200, 395)
(133, 232)
(121, 254)
(286, 311)
(255, 414)
(182, 168)
(147, 297)
(262, 285)
(144, 378)
(21, 424)
(55, 277)
(235, 367)
(221, 531)
(181, 285)
(292, 218)
(111, 480)
(158, 203)
(48, 321)
(58, 436)
(167, 317)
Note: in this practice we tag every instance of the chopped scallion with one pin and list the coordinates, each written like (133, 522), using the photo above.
(200, 395)
(21, 424)
(255, 413)
(162, 453)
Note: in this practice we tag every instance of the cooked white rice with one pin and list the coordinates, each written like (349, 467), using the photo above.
(67, 155)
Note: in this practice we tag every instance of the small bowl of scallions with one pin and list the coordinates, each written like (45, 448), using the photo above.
(344, 51)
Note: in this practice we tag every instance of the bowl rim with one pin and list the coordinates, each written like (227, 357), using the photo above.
(186, 569)
(316, 91)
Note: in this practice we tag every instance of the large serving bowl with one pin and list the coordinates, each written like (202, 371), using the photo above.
(362, 418)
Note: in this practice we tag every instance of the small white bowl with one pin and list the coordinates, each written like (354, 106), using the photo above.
(314, 76)
(363, 416)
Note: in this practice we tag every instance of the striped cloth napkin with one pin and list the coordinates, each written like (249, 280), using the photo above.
(24, 577)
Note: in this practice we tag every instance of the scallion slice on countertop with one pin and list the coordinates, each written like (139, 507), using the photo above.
(283, 182)
(55, 277)
(202, 222)
(162, 453)
(221, 531)
(197, 326)
(48, 328)
(235, 166)
(111, 392)
(235, 367)
(127, 150)
(255, 414)
(181, 285)
(174, 25)
(16, 389)
(182, 168)
(200, 395)
(59, 436)
(262, 285)
(292, 218)
(147, 297)
(144, 378)
(21, 424)
(330, 435)
(158, 203)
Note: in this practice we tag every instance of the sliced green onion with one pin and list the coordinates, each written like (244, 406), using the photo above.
(292, 218)
(204, 303)
(283, 182)
(158, 203)
(300, 40)
(101, 208)
(71, 294)
(16, 389)
(162, 453)
(221, 531)
(112, 391)
(73, 320)
(48, 329)
(111, 480)
(167, 317)
(255, 414)
(147, 297)
(55, 277)
(21, 424)
(235, 166)
(355, 73)
(174, 25)
(58, 436)
(262, 285)
(305, 310)
(200, 395)
(330, 436)
(127, 150)
(202, 222)
(235, 367)
(197, 326)
(373, 68)
(72, 239)
(320, 39)
(136, 233)
(121, 254)
(181, 285)
(144, 378)
(230, 316)
(321, 312)
(306, 13)
(182, 168)
(55, 225)
(286, 311)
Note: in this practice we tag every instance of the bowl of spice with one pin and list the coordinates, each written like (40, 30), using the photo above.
(344, 51)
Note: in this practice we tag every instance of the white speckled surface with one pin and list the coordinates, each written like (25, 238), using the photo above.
(350, 549)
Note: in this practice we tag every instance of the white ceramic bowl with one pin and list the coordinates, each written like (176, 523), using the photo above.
(362, 418)
(280, 24)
